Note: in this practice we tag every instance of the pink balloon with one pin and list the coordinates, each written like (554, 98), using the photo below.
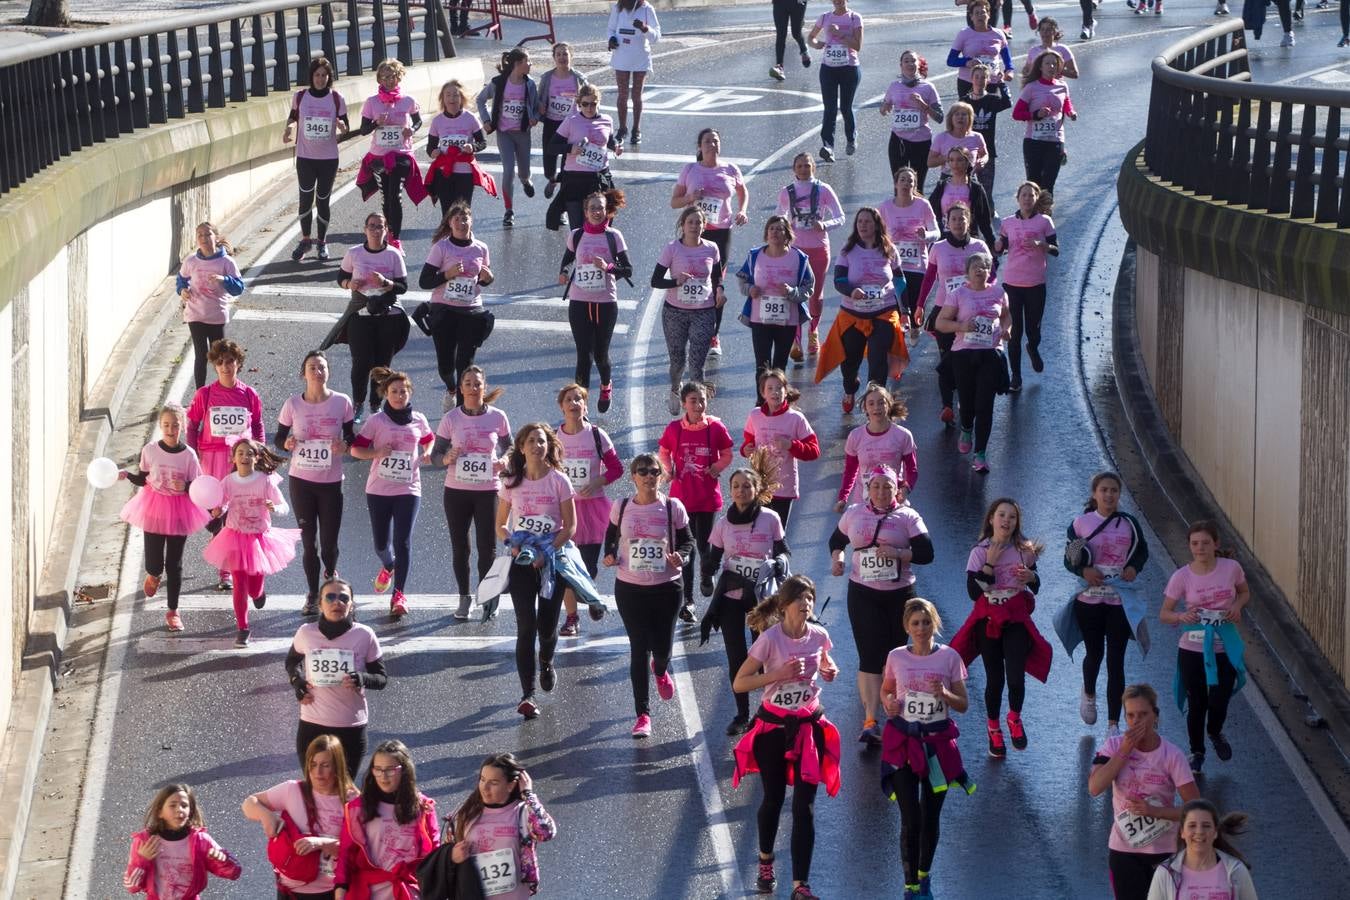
(206, 491)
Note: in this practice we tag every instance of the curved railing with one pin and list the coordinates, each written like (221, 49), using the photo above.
(1270, 148)
(63, 94)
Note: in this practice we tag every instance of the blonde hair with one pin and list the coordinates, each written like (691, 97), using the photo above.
(391, 65)
(455, 85)
(920, 605)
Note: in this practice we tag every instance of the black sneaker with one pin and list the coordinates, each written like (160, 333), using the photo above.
(596, 611)
(827, 154)
(636, 138)
(1037, 364)
(687, 613)
(528, 708)
(301, 249)
(739, 725)
(547, 677)
(1197, 763)
(549, 189)
(706, 586)
(527, 187)
(311, 607)
(509, 219)
(241, 639)
(1015, 384)
(620, 135)
(324, 255)
(260, 601)
(1222, 748)
(766, 882)
(851, 148)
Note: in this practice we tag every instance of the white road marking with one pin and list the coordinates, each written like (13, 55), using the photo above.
(326, 291)
(326, 318)
(177, 645)
(638, 155)
(705, 100)
(221, 602)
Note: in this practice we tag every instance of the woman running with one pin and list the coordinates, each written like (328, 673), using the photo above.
(508, 105)
(1106, 550)
(1002, 581)
(924, 683)
(813, 209)
(694, 450)
(784, 433)
(840, 34)
(978, 42)
(959, 132)
(1145, 773)
(947, 269)
(690, 269)
(788, 13)
(977, 313)
(776, 280)
(1044, 104)
(879, 441)
(595, 259)
(633, 29)
(173, 854)
(206, 280)
(792, 742)
(587, 138)
(497, 827)
(315, 428)
(1049, 37)
(648, 540)
(1207, 864)
(310, 808)
(909, 221)
(1210, 666)
(558, 89)
(471, 441)
(911, 101)
(867, 275)
(1028, 237)
(318, 116)
(391, 118)
(590, 462)
(889, 538)
(387, 830)
(454, 138)
(961, 186)
(397, 440)
(457, 269)
(987, 101)
(536, 509)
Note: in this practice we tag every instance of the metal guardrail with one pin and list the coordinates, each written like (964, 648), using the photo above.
(1212, 131)
(464, 14)
(61, 95)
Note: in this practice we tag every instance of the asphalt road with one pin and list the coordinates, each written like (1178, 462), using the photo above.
(659, 818)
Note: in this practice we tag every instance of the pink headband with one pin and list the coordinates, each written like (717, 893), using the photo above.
(883, 471)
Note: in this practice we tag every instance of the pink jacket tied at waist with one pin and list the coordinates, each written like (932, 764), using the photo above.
(817, 759)
(900, 750)
(992, 617)
(365, 177)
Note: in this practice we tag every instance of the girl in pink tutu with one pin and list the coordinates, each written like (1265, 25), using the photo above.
(248, 547)
(162, 508)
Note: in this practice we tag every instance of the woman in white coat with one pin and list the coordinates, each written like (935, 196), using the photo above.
(633, 29)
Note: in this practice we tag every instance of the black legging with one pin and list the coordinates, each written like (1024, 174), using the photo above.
(772, 344)
(1027, 306)
(920, 821)
(700, 526)
(875, 617)
(374, 341)
(391, 189)
(452, 188)
(1206, 705)
(913, 284)
(770, 749)
(457, 334)
(782, 506)
(1132, 873)
(1088, 7)
(731, 622)
(1042, 160)
(1105, 630)
(552, 161)
(1345, 18)
(164, 556)
(592, 329)
(1004, 656)
(316, 178)
(391, 526)
(1008, 10)
(648, 613)
(462, 509)
(977, 378)
(876, 345)
(909, 153)
(535, 616)
(573, 189)
(203, 334)
(787, 13)
(722, 238)
(283, 894)
(353, 741)
(318, 511)
(1286, 16)
(946, 375)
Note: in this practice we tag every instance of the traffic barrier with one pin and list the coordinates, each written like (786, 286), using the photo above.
(488, 15)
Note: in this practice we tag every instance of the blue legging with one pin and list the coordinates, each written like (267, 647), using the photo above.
(391, 525)
(838, 84)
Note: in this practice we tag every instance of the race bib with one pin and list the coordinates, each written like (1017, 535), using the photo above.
(450, 140)
(1140, 830)
(578, 471)
(951, 284)
(396, 467)
(910, 253)
(647, 555)
(794, 694)
(981, 333)
(995, 64)
(872, 566)
(593, 157)
(329, 667)
(998, 598)
(462, 289)
(873, 299)
(1104, 591)
(711, 207)
(534, 524)
(906, 119)
(317, 128)
(588, 277)
(1046, 129)
(560, 106)
(312, 456)
(228, 420)
(514, 110)
(836, 55)
(1211, 616)
(497, 869)
(327, 865)
(923, 708)
(694, 293)
(473, 468)
(745, 566)
(389, 136)
(772, 310)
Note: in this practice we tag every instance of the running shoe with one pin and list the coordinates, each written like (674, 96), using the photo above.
(596, 611)
(620, 135)
(795, 354)
(766, 881)
(260, 601)
(509, 219)
(324, 255)
(1087, 708)
(394, 242)
(715, 347)
(1140, 10)
(687, 613)
(241, 639)
(448, 401)
(776, 73)
(383, 580)
(1298, 11)
(1157, 9)
(980, 464)
(705, 587)
(813, 343)
(948, 415)
(911, 891)
(398, 605)
(803, 892)
(847, 403)
(964, 444)
(1130, 4)
(1221, 9)
(173, 621)
(739, 725)
(635, 139)
(1288, 40)
(1086, 33)
(1016, 731)
(1112, 730)
(527, 186)
(1324, 4)
(1007, 32)
(1197, 763)
(806, 60)
(300, 250)
(528, 708)
(226, 583)
(870, 734)
(150, 585)
(996, 746)
(548, 679)
(571, 626)
(827, 154)
(851, 147)
(1032, 21)
(1034, 355)
(606, 397)
(1015, 384)
(461, 613)
(1344, 42)
(925, 887)
(665, 685)
(549, 189)
(311, 607)
(673, 404)
(642, 728)
(1222, 748)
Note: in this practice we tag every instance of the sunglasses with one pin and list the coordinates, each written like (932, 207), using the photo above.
(333, 597)
(586, 103)
(646, 470)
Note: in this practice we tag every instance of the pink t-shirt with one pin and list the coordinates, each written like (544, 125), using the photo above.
(226, 414)
(747, 545)
(912, 674)
(1037, 48)
(174, 869)
(536, 506)
(165, 469)
(719, 183)
(773, 648)
(1110, 550)
(986, 46)
(951, 265)
(908, 227)
(451, 130)
(870, 270)
(952, 194)
(398, 474)
(765, 430)
(463, 290)
(315, 426)
(562, 97)
(477, 438)
(898, 527)
(1208, 884)
(645, 538)
(246, 499)
(697, 262)
(1005, 566)
(890, 447)
(327, 663)
(579, 129)
(773, 275)
(909, 122)
(287, 797)
(390, 137)
(493, 834)
(984, 309)
(1152, 776)
(389, 844)
(362, 263)
(208, 300)
(1053, 96)
(589, 284)
(1215, 591)
(579, 462)
(316, 131)
(513, 107)
(692, 451)
(794, 201)
(836, 52)
(944, 141)
(1025, 266)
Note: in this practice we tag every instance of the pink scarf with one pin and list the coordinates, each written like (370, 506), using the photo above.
(391, 97)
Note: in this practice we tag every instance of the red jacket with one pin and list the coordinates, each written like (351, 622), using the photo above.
(140, 875)
(358, 872)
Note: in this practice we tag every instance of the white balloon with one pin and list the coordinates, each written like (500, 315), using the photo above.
(102, 472)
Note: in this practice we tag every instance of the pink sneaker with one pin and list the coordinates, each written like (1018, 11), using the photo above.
(642, 728)
(173, 621)
(964, 444)
(383, 580)
(398, 605)
(665, 685)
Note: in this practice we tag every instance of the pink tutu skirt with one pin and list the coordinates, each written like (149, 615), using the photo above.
(258, 554)
(171, 514)
(216, 462)
(592, 520)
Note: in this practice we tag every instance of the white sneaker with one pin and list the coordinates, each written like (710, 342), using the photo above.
(448, 403)
(1288, 39)
(674, 404)
(1087, 708)
(1085, 34)
(1221, 9)
(1112, 730)
(465, 606)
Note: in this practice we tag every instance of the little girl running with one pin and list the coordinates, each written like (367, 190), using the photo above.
(172, 856)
